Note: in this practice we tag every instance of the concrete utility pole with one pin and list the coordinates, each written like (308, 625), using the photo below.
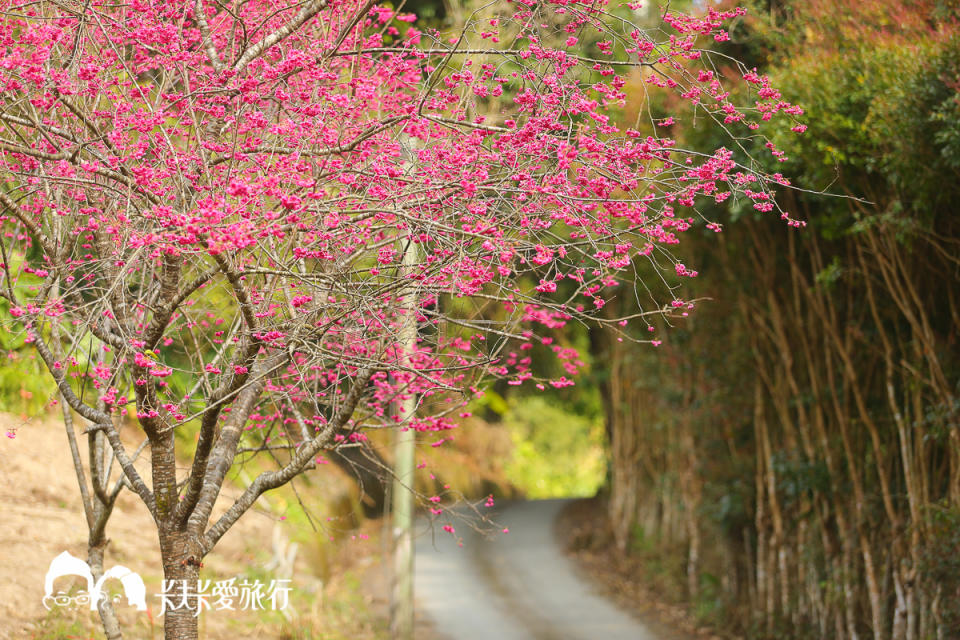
(401, 609)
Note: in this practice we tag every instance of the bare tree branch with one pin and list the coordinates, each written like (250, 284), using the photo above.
(308, 11)
(306, 452)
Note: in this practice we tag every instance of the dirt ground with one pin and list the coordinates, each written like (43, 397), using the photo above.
(42, 516)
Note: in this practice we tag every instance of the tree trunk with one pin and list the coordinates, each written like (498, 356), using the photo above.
(181, 570)
(111, 626)
(624, 450)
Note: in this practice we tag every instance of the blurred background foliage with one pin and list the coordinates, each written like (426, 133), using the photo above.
(805, 419)
(556, 452)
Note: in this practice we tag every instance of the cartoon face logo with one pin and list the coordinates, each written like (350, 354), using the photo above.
(68, 565)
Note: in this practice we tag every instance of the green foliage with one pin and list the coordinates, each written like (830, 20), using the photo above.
(709, 602)
(880, 83)
(798, 478)
(663, 561)
(24, 389)
(883, 113)
(640, 541)
(940, 560)
(490, 403)
(729, 503)
(556, 452)
(25, 385)
(829, 275)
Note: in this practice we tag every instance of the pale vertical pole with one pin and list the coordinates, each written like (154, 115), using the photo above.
(401, 610)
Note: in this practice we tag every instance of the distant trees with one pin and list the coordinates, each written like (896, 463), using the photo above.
(807, 419)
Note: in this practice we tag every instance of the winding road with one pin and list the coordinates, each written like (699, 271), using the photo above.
(514, 586)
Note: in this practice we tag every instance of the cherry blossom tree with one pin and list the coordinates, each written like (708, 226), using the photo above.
(221, 218)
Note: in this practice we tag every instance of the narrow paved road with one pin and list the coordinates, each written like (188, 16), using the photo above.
(515, 586)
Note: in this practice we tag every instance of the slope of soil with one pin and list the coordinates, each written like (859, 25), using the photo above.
(43, 516)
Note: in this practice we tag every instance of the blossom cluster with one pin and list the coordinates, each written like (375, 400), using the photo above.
(271, 198)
